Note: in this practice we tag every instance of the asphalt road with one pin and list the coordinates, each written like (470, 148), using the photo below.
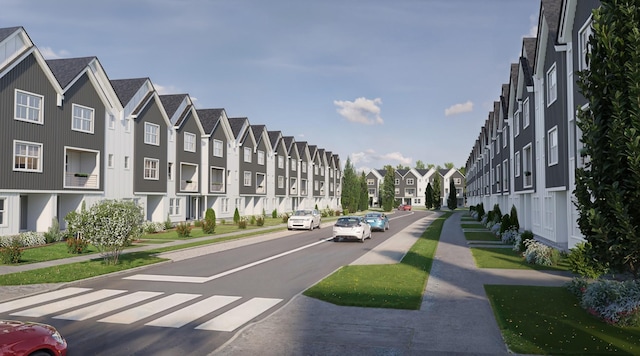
(193, 306)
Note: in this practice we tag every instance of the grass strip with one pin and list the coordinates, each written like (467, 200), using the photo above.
(379, 286)
(473, 226)
(487, 257)
(480, 236)
(550, 321)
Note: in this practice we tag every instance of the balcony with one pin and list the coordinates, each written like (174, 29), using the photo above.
(188, 177)
(81, 180)
(216, 187)
(189, 185)
(82, 169)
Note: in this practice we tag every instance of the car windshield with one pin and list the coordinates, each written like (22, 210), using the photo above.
(302, 212)
(346, 222)
(372, 216)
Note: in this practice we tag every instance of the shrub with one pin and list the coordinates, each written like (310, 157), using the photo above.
(505, 223)
(242, 224)
(197, 223)
(11, 250)
(519, 244)
(77, 245)
(540, 254)
(615, 302)
(495, 228)
(252, 220)
(53, 234)
(149, 227)
(31, 238)
(581, 264)
(223, 222)
(577, 286)
(285, 218)
(260, 221)
(510, 236)
(481, 212)
(209, 225)
(514, 218)
(183, 229)
(168, 225)
(236, 216)
(274, 213)
(497, 214)
(490, 217)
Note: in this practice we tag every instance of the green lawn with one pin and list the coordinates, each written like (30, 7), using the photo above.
(487, 257)
(378, 286)
(480, 236)
(550, 321)
(473, 226)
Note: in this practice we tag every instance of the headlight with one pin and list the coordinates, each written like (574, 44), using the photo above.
(59, 339)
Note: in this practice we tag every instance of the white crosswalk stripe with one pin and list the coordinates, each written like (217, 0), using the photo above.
(113, 306)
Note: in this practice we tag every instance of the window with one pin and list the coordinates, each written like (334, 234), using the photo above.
(552, 142)
(371, 182)
(151, 134)
(110, 160)
(247, 154)
(2, 211)
(505, 175)
(217, 148)
(583, 42)
(505, 136)
(294, 164)
(112, 121)
(126, 162)
(303, 166)
(410, 181)
(27, 156)
(527, 165)
(396, 181)
(189, 142)
(457, 181)
(497, 176)
(170, 170)
(82, 119)
(315, 170)
(151, 168)
(280, 182)
(29, 107)
(516, 124)
(247, 179)
(552, 85)
(516, 161)
(174, 206)
(280, 162)
(525, 113)
(261, 158)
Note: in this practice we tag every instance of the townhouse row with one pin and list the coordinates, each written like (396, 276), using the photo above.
(70, 135)
(411, 185)
(528, 150)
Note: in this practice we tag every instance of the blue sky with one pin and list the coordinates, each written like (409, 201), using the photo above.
(378, 81)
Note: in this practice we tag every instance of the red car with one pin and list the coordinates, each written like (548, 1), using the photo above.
(404, 207)
(19, 338)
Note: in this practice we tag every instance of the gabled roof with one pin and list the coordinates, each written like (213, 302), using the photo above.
(302, 146)
(172, 102)
(209, 119)
(274, 137)
(288, 144)
(7, 31)
(65, 70)
(257, 131)
(402, 172)
(237, 126)
(126, 88)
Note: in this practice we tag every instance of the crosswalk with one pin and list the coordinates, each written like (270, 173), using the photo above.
(152, 308)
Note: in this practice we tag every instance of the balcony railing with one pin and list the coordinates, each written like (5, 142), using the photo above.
(189, 185)
(81, 180)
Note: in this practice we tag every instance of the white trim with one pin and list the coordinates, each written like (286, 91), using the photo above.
(150, 140)
(81, 120)
(551, 89)
(155, 169)
(550, 154)
(27, 107)
(39, 157)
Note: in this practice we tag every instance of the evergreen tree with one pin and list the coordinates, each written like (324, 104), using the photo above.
(350, 188)
(209, 225)
(389, 189)
(437, 199)
(364, 193)
(608, 187)
(428, 197)
(452, 199)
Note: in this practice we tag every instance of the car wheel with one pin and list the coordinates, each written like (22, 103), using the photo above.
(362, 239)
(335, 239)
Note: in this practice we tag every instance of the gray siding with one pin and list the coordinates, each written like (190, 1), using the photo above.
(183, 156)
(151, 113)
(280, 172)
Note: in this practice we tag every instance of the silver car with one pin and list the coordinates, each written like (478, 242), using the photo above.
(307, 219)
(351, 228)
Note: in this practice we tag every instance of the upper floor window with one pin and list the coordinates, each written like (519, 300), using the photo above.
(370, 182)
(151, 134)
(29, 107)
(410, 181)
(396, 181)
(27, 156)
(304, 167)
(583, 43)
(516, 162)
(82, 119)
(280, 162)
(457, 181)
(151, 167)
(247, 178)
(261, 158)
(217, 148)
(505, 136)
(552, 85)
(553, 145)
(247, 154)
(525, 113)
(189, 142)
(294, 165)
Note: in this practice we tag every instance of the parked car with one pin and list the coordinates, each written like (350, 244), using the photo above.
(32, 339)
(307, 219)
(377, 221)
(404, 207)
(351, 228)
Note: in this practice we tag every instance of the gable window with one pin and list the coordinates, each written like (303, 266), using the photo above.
(583, 43)
(151, 134)
(505, 136)
(303, 166)
(29, 107)
(189, 142)
(552, 85)
(261, 158)
(457, 181)
(82, 119)
(151, 168)
(247, 154)
(2, 211)
(217, 148)
(247, 179)
(516, 161)
(552, 142)
(370, 182)
(280, 162)
(410, 181)
(315, 170)
(27, 156)
(516, 124)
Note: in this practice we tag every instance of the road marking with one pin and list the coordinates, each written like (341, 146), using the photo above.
(239, 315)
(40, 298)
(188, 314)
(69, 303)
(183, 279)
(107, 306)
(146, 310)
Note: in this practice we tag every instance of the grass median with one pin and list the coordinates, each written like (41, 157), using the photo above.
(507, 258)
(397, 286)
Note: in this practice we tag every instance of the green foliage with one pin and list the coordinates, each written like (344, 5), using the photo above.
(236, 216)
(505, 223)
(274, 213)
(53, 234)
(497, 214)
(183, 229)
(480, 210)
(209, 225)
(11, 252)
(525, 236)
(615, 302)
(437, 192)
(168, 225)
(285, 217)
(388, 189)
(363, 202)
(77, 245)
(428, 196)
(608, 186)
(452, 199)
(260, 221)
(252, 220)
(242, 224)
(582, 264)
(514, 218)
(350, 195)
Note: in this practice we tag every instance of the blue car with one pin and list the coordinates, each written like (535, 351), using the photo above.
(378, 221)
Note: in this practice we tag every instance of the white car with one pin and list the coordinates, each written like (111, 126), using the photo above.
(307, 219)
(351, 228)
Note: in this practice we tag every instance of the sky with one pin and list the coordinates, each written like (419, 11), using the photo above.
(379, 82)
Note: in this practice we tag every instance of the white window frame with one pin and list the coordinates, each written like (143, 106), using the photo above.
(247, 154)
(218, 148)
(303, 166)
(457, 181)
(281, 162)
(3, 211)
(371, 181)
(174, 206)
(280, 182)
(410, 181)
(151, 169)
(294, 164)
(247, 178)
(110, 163)
(151, 134)
(189, 142)
(583, 43)
(505, 136)
(81, 116)
(552, 146)
(527, 164)
(29, 107)
(552, 85)
(112, 122)
(516, 159)
(396, 181)
(28, 156)
(260, 158)
(505, 175)
(526, 118)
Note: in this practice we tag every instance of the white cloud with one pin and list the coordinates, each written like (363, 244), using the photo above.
(379, 160)
(459, 108)
(49, 53)
(362, 110)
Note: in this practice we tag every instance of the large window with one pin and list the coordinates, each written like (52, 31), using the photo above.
(151, 168)
(583, 42)
(552, 142)
(261, 158)
(217, 148)
(82, 119)
(29, 107)
(552, 85)
(410, 181)
(189, 142)
(151, 134)
(27, 156)
(247, 154)
(247, 179)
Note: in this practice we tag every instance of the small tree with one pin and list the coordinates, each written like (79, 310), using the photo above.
(364, 193)
(236, 216)
(350, 187)
(209, 225)
(452, 200)
(515, 224)
(389, 189)
(437, 199)
(428, 197)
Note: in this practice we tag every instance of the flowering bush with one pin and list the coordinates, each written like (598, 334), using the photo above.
(495, 228)
(577, 286)
(540, 254)
(151, 227)
(518, 244)
(615, 302)
(509, 237)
